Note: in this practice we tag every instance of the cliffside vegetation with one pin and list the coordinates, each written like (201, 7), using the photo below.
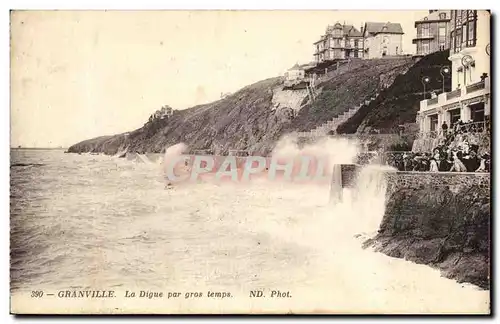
(363, 80)
(399, 103)
(246, 119)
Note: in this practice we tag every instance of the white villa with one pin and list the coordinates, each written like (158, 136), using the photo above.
(469, 99)
(296, 74)
(382, 39)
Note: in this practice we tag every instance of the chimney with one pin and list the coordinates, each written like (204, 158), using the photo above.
(361, 29)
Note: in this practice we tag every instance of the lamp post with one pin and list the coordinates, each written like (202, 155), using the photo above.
(466, 62)
(425, 80)
(445, 71)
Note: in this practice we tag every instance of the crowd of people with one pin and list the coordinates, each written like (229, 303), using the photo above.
(454, 153)
(465, 159)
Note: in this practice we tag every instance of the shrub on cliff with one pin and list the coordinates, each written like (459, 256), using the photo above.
(347, 90)
(399, 103)
(246, 119)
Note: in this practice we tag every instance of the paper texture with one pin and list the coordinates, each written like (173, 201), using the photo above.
(250, 162)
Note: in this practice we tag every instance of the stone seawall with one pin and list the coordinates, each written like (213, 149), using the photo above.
(396, 180)
(455, 181)
(441, 219)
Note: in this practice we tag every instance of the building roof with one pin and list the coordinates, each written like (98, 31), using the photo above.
(307, 65)
(375, 28)
(322, 38)
(348, 30)
(434, 16)
(302, 66)
(351, 31)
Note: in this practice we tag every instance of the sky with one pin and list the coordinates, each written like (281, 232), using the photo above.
(76, 75)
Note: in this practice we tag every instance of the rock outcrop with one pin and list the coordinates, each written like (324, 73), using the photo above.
(447, 228)
(255, 117)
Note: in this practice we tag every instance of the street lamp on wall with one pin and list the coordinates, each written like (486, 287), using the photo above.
(445, 72)
(425, 80)
(488, 49)
(467, 61)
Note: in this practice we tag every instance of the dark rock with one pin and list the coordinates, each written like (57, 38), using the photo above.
(445, 229)
(246, 120)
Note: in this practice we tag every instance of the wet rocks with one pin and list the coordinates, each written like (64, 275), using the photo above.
(436, 226)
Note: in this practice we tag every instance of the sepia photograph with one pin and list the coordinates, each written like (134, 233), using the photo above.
(326, 162)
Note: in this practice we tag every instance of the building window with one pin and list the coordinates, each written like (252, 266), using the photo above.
(442, 32)
(356, 43)
(425, 47)
(442, 15)
(338, 54)
(454, 115)
(442, 38)
(452, 41)
(464, 35)
(471, 34)
(355, 53)
(433, 119)
(458, 40)
(463, 23)
(425, 30)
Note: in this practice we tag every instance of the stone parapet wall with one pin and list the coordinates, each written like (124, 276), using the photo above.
(396, 180)
(455, 181)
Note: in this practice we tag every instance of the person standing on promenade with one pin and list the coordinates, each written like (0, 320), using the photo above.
(444, 127)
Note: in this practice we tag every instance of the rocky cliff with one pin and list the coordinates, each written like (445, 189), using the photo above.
(254, 118)
(446, 226)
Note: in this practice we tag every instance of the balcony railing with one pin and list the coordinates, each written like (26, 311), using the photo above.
(432, 101)
(475, 87)
(474, 127)
(428, 134)
(453, 94)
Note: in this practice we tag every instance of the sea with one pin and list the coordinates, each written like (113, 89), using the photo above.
(83, 221)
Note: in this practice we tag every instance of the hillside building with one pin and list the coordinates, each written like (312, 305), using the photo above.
(433, 32)
(469, 99)
(296, 75)
(382, 39)
(339, 42)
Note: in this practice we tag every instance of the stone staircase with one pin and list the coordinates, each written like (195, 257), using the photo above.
(332, 125)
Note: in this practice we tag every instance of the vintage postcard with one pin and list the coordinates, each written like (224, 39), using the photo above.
(250, 162)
